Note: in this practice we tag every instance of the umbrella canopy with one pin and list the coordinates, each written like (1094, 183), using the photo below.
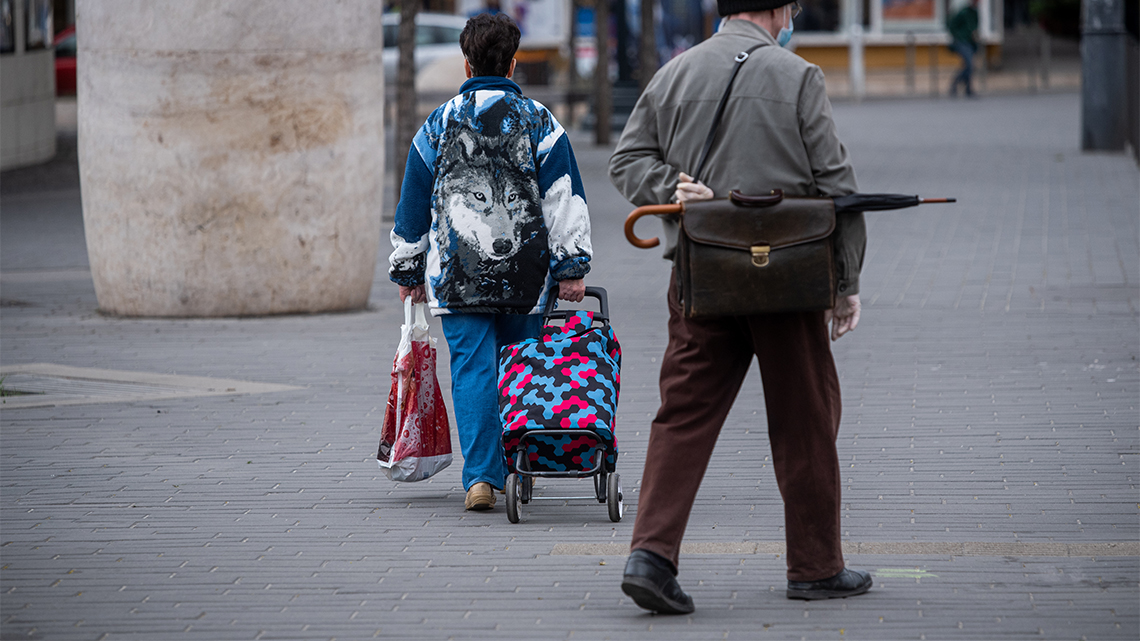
(881, 202)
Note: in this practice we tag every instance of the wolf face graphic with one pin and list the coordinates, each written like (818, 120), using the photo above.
(492, 240)
(487, 205)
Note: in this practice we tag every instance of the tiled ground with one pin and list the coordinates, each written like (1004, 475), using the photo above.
(990, 396)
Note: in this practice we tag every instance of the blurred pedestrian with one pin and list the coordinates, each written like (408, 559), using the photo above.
(491, 216)
(962, 24)
(776, 133)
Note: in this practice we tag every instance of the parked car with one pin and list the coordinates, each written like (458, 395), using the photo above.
(64, 45)
(437, 36)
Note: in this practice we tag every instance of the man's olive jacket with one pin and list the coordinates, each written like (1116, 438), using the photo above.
(776, 133)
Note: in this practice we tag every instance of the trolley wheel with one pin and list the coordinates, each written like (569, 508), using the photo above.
(614, 497)
(600, 486)
(514, 494)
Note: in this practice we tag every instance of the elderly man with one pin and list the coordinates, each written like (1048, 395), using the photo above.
(776, 133)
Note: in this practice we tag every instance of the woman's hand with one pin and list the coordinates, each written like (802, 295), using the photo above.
(572, 290)
(418, 293)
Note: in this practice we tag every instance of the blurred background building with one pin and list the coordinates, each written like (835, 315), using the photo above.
(866, 47)
(900, 47)
(27, 79)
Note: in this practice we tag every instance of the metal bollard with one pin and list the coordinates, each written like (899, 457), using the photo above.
(1104, 42)
(911, 54)
(857, 71)
(1033, 74)
(932, 51)
(1046, 58)
(983, 67)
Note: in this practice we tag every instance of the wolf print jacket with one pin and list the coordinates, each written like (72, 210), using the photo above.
(492, 209)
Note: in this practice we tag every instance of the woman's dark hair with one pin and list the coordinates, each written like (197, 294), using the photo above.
(489, 42)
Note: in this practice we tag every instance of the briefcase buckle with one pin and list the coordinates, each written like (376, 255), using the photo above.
(760, 255)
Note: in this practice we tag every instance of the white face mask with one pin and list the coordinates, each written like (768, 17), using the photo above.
(785, 35)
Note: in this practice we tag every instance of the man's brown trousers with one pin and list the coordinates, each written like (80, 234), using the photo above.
(703, 368)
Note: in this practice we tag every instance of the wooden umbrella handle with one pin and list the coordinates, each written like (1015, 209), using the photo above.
(647, 210)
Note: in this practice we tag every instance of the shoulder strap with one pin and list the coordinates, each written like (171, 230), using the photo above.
(739, 61)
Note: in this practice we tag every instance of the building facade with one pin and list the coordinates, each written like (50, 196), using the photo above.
(27, 83)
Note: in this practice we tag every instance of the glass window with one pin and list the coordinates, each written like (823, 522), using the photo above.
(819, 15)
(908, 10)
(39, 24)
(449, 35)
(66, 47)
(425, 35)
(7, 27)
(917, 15)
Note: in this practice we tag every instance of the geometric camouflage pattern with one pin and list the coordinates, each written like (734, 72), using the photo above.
(568, 378)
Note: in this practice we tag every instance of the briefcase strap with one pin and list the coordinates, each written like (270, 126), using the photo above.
(739, 61)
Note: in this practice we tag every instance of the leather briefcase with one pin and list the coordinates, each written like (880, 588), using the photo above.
(746, 255)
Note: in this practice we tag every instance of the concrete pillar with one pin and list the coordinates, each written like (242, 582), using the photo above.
(230, 154)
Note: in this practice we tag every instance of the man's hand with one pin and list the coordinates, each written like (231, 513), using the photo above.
(572, 290)
(689, 189)
(844, 317)
(418, 293)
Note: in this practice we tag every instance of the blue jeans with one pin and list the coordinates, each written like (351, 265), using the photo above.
(474, 341)
(966, 51)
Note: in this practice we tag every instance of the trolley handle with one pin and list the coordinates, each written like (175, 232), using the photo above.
(549, 313)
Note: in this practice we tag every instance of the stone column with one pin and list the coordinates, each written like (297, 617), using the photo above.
(230, 154)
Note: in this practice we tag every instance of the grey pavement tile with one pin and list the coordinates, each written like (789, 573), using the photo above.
(990, 394)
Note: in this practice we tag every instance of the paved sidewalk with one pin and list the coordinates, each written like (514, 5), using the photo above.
(990, 437)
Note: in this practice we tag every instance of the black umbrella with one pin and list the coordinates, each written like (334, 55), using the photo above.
(881, 202)
(843, 205)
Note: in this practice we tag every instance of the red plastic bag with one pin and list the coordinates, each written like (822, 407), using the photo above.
(415, 442)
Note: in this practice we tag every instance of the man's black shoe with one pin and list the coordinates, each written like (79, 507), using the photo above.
(847, 583)
(649, 582)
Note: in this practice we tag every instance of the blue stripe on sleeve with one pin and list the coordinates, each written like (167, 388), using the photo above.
(576, 186)
(413, 213)
(413, 222)
(422, 143)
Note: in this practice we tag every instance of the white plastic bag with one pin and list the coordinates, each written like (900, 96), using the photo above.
(415, 442)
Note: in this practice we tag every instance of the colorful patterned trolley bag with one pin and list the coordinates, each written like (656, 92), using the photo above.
(567, 379)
